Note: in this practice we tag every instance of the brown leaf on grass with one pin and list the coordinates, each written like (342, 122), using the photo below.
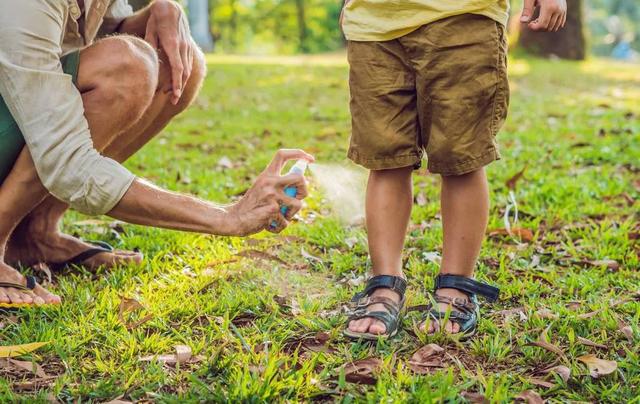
(530, 397)
(130, 305)
(598, 367)
(546, 314)
(540, 382)
(542, 343)
(525, 235)
(310, 257)
(588, 342)
(362, 371)
(260, 255)
(474, 398)
(513, 181)
(420, 199)
(290, 305)
(244, 319)
(562, 371)
(425, 358)
(183, 354)
(585, 316)
(29, 366)
(574, 305)
(612, 265)
(626, 330)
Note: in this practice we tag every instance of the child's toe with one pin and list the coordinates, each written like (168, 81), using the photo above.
(377, 328)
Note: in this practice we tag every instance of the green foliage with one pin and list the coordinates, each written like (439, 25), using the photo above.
(274, 26)
(576, 126)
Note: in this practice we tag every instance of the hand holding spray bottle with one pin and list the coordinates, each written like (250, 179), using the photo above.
(291, 191)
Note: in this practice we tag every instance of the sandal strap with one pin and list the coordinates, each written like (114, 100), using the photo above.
(462, 305)
(395, 283)
(468, 285)
(31, 284)
(362, 304)
(389, 320)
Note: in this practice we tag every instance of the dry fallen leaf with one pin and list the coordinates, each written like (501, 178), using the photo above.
(512, 182)
(362, 371)
(310, 257)
(546, 314)
(562, 371)
(588, 342)
(610, 264)
(598, 367)
(626, 330)
(128, 305)
(540, 382)
(530, 397)
(421, 199)
(12, 351)
(260, 255)
(525, 235)
(474, 398)
(183, 354)
(585, 316)
(542, 343)
(425, 358)
(29, 366)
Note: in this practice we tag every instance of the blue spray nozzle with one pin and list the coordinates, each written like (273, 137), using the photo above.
(291, 191)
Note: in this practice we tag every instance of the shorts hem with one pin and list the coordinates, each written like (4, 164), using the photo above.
(465, 167)
(385, 163)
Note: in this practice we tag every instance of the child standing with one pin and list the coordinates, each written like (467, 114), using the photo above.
(428, 76)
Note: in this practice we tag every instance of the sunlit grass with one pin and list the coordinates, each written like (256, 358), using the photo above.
(575, 126)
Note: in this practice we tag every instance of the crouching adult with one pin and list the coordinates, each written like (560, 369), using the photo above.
(84, 84)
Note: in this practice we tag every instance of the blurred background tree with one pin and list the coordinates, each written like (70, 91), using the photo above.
(600, 27)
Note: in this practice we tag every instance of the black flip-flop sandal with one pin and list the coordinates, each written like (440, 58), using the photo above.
(465, 313)
(31, 284)
(79, 260)
(359, 307)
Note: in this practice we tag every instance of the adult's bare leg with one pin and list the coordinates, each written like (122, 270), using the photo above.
(118, 79)
(38, 237)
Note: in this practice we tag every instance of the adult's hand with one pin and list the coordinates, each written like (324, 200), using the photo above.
(168, 29)
(553, 14)
(260, 205)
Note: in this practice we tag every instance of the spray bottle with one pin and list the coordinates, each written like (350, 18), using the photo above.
(291, 191)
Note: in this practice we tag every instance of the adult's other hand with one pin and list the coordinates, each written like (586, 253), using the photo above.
(553, 14)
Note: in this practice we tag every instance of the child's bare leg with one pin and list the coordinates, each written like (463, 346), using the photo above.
(465, 212)
(388, 209)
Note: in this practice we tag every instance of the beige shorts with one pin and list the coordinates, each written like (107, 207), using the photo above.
(442, 89)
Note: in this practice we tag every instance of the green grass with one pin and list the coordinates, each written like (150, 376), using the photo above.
(575, 126)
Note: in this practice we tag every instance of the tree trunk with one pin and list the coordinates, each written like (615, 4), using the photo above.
(302, 26)
(199, 23)
(567, 43)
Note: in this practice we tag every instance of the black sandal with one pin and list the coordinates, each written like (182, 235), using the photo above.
(31, 284)
(467, 312)
(361, 302)
(78, 260)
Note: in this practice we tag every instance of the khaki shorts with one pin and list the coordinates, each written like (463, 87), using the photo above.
(441, 89)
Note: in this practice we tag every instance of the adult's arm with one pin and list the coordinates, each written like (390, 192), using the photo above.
(49, 111)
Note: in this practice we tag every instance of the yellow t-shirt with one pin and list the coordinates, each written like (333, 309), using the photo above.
(382, 20)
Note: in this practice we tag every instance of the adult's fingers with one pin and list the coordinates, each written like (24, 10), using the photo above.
(527, 10)
(284, 155)
(170, 46)
(292, 180)
(277, 224)
(293, 206)
(560, 22)
(186, 62)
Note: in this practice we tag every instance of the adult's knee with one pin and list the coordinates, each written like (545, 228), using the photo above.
(129, 76)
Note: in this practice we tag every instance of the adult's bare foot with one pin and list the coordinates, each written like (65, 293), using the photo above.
(38, 296)
(32, 243)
